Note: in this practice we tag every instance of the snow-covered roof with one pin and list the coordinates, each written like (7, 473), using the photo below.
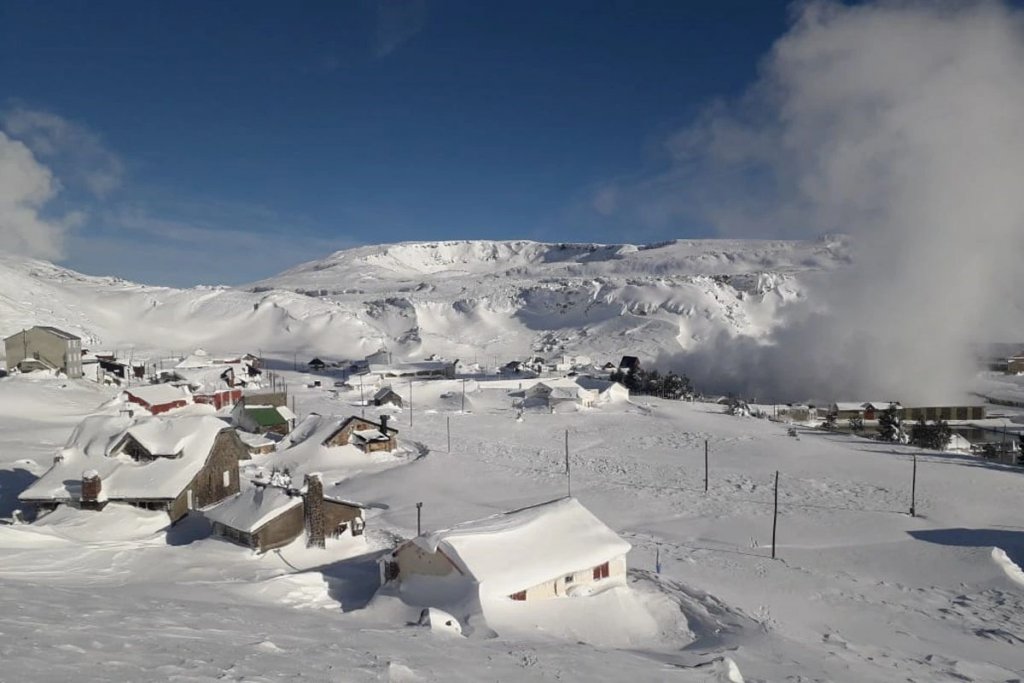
(160, 394)
(879, 405)
(252, 508)
(849, 406)
(369, 435)
(255, 440)
(411, 368)
(96, 445)
(513, 551)
(383, 392)
(208, 377)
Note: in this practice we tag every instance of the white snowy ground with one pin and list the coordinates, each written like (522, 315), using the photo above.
(861, 591)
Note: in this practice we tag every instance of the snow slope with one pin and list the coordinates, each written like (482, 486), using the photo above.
(463, 299)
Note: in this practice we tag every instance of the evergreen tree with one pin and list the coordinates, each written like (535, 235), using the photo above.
(856, 424)
(829, 424)
(890, 427)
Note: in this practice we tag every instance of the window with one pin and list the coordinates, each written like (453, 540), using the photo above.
(521, 595)
(570, 578)
(601, 572)
(227, 478)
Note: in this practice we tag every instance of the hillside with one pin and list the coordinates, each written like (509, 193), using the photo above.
(469, 299)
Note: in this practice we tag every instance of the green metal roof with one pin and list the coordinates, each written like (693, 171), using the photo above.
(266, 417)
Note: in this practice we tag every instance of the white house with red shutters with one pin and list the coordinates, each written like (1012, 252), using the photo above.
(552, 550)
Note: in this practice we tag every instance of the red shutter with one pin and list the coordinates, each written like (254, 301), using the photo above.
(601, 571)
(521, 595)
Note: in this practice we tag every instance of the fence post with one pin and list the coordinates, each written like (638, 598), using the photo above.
(705, 465)
(913, 489)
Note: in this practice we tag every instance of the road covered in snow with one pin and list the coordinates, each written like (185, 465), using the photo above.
(860, 590)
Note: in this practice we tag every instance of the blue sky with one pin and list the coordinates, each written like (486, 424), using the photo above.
(198, 142)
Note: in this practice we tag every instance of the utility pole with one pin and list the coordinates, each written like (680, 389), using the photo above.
(448, 422)
(295, 360)
(705, 465)
(410, 403)
(463, 395)
(913, 489)
(568, 470)
(362, 399)
(419, 528)
(775, 518)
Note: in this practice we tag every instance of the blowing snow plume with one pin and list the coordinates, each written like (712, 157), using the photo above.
(902, 126)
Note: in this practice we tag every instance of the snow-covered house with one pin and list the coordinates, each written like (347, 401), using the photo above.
(555, 549)
(874, 409)
(261, 418)
(607, 391)
(159, 398)
(426, 369)
(386, 396)
(271, 514)
(544, 396)
(331, 432)
(316, 364)
(158, 463)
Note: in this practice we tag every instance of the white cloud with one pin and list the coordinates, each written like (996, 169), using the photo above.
(25, 188)
(397, 22)
(78, 152)
(899, 124)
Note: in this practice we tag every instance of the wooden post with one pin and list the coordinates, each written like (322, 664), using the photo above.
(448, 422)
(568, 470)
(913, 489)
(705, 465)
(419, 528)
(362, 399)
(775, 518)
(410, 403)
(463, 395)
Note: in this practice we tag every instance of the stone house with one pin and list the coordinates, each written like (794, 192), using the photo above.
(156, 463)
(267, 516)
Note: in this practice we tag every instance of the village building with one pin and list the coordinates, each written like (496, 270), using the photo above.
(272, 514)
(629, 364)
(157, 463)
(555, 549)
(427, 369)
(260, 418)
(943, 412)
(366, 435)
(158, 398)
(386, 396)
(257, 444)
(1015, 364)
(44, 348)
(316, 364)
(112, 370)
(541, 396)
(380, 357)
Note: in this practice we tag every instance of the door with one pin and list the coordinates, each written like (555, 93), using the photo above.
(189, 498)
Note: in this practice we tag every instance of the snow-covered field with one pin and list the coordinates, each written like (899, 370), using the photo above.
(860, 591)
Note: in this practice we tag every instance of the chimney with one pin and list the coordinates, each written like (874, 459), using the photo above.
(384, 424)
(313, 510)
(91, 487)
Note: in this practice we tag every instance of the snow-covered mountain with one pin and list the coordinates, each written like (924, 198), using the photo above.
(480, 299)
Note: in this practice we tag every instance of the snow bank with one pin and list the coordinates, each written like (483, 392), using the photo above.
(1011, 568)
